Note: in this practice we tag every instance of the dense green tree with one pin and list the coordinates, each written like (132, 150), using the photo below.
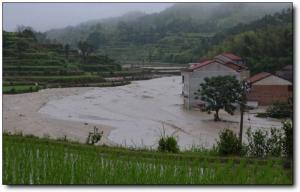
(67, 50)
(41, 37)
(26, 32)
(5, 42)
(96, 40)
(264, 50)
(21, 46)
(85, 49)
(219, 92)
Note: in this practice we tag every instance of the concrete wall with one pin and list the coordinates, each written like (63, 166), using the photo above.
(268, 94)
(185, 87)
(245, 74)
(270, 90)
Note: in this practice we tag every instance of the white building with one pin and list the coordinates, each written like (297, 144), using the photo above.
(221, 65)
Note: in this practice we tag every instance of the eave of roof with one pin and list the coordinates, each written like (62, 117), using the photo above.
(199, 65)
(258, 77)
(241, 66)
(207, 62)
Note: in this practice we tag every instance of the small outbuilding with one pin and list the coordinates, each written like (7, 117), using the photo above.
(267, 88)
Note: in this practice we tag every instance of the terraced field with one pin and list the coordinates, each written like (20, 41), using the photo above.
(28, 62)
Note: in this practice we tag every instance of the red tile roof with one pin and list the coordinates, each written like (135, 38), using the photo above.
(232, 56)
(207, 62)
(237, 65)
(258, 77)
(199, 65)
(234, 66)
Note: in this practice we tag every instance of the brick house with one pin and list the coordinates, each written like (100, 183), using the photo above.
(268, 88)
(221, 65)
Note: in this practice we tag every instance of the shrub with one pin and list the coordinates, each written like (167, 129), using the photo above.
(274, 143)
(288, 139)
(12, 90)
(168, 144)
(257, 145)
(262, 115)
(228, 143)
(280, 110)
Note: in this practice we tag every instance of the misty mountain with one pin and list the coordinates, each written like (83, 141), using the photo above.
(181, 33)
(181, 17)
(72, 34)
(111, 21)
(223, 15)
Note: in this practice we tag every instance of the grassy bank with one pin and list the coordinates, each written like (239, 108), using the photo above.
(29, 160)
(25, 84)
(17, 89)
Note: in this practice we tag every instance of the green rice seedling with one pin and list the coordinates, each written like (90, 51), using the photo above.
(45, 161)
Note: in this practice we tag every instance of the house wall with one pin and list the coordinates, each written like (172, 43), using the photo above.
(185, 84)
(245, 74)
(270, 90)
(268, 94)
(192, 81)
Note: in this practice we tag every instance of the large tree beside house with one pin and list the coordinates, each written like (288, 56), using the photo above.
(219, 92)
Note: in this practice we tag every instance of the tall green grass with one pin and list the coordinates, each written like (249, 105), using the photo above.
(14, 89)
(43, 161)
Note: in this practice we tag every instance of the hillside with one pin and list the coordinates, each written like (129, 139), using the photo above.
(23, 55)
(265, 44)
(179, 34)
(29, 65)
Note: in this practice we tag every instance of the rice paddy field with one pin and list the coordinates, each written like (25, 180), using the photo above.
(29, 160)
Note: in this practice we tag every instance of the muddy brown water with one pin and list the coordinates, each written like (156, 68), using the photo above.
(144, 110)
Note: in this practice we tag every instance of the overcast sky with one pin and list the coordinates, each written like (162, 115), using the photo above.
(45, 16)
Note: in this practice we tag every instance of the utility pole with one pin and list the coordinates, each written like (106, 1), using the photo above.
(245, 89)
(242, 109)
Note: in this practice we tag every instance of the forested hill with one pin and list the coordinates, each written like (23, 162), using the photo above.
(182, 17)
(182, 33)
(266, 44)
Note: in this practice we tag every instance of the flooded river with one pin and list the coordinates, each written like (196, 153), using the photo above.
(141, 112)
